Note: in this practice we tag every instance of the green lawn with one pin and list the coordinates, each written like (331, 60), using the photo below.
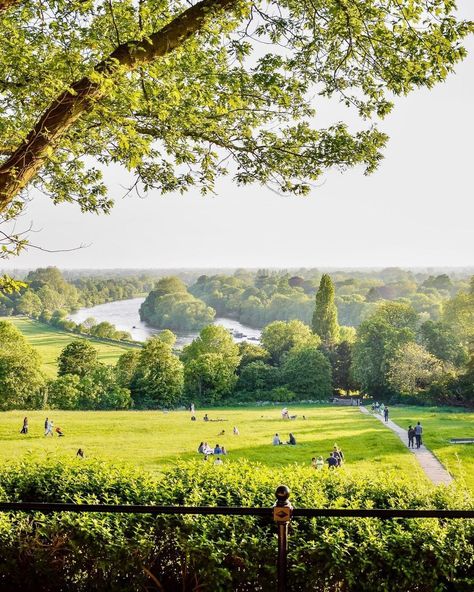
(153, 440)
(439, 426)
(49, 342)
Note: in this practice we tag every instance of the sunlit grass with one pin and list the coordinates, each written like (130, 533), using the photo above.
(153, 440)
(49, 342)
(439, 426)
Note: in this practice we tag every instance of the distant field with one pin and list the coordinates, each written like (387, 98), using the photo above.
(153, 440)
(439, 426)
(49, 342)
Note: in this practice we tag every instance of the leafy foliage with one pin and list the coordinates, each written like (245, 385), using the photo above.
(180, 94)
(79, 357)
(324, 322)
(158, 377)
(121, 552)
(20, 374)
(279, 338)
(170, 306)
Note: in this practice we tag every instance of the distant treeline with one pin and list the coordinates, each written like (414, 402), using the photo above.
(396, 354)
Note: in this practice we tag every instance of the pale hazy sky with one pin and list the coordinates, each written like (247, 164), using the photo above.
(417, 209)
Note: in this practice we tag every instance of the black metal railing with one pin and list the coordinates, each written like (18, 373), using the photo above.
(282, 513)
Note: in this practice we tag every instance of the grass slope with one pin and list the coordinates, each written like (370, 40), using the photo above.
(439, 426)
(153, 440)
(49, 342)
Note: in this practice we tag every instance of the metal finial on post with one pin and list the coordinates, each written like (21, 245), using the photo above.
(282, 511)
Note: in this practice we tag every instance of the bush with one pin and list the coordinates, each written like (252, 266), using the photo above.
(119, 552)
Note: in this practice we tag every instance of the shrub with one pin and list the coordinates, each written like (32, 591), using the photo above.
(221, 553)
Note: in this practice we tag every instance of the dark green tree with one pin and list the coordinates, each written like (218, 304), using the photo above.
(249, 352)
(78, 357)
(324, 321)
(257, 377)
(21, 378)
(307, 372)
(378, 339)
(213, 339)
(64, 393)
(158, 379)
(209, 378)
(280, 337)
(443, 342)
(99, 389)
(341, 362)
(126, 367)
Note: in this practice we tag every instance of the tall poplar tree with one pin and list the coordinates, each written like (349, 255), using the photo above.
(324, 321)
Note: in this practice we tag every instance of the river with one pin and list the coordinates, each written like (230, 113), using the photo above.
(124, 315)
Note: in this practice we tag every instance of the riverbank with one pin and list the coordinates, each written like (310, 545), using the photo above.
(125, 316)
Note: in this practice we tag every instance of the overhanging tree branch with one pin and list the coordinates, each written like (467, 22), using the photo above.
(22, 166)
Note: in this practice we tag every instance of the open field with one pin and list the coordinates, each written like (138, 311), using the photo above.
(49, 342)
(439, 426)
(153, 440)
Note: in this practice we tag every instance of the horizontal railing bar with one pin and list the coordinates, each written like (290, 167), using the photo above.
(45, 507)
(381, 513)
(132, 509)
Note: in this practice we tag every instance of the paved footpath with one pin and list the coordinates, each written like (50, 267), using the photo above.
(428, 461)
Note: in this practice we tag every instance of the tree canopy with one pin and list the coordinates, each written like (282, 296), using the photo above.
(182, 92)
(324, 320)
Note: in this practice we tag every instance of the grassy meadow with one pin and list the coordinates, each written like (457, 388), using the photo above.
(49, 342)
(153, 440)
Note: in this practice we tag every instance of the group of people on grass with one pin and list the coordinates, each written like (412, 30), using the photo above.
(333, 461)
(291, 440)
(49, 429)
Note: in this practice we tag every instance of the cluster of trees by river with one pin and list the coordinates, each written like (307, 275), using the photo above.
(395, 353)
(256, 298)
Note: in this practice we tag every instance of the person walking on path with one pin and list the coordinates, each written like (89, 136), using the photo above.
(24, 429)
(385, 414)
(411, 437)
(418, 432)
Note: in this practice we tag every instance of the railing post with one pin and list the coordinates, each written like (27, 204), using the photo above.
(282, 511)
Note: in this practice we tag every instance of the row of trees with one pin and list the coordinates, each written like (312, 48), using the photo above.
(394, 353)
(259, 298)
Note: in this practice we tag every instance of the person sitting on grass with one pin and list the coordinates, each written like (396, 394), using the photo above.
(206, 417)
(332, 461)
(207, 449)
(291, 440)
(201, 448)
(223, 450)
(80, 453)
(218, 461)
(221, 433)
(235, 431)
(59, 431)
(217, 449)
(276, 440)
